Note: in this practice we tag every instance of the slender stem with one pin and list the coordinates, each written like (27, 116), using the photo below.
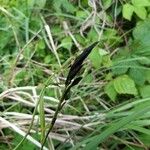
(58, 109)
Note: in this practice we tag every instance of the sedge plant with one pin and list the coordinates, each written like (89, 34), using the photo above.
(71, 81)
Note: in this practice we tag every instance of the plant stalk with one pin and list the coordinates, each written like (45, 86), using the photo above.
(58, 109)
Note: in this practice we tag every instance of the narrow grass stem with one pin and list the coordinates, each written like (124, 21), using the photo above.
(58, 109)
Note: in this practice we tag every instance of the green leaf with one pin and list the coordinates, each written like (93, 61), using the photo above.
(125, 85)
(41, 44)
(103, 52)
(110, 91)
(81, 14)
(141, 35)
(145, 91)
(138, 75)
(58, 5)
(5, 39)
(96, 58)
(94, 141)
(120, 66)
(127, 11)
(142, 32)
(147, 76)
(92, 35)
(140, 12)
(48, 59)
(106, 61)
(66, 43)
(144, 61)
(141, 2)
(106, 3)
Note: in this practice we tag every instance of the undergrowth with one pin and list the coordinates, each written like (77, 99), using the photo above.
(109, 106)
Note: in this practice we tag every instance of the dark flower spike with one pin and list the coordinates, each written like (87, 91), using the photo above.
(77, 65)
(72, 74)
(76, 81)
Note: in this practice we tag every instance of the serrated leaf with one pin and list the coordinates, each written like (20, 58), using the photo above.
(140, 12)
(110, 91)
(120, 66)
(127, 11)
(142, 32)
(145, 91)
(125, 85)
(141, 2)
(141, 35)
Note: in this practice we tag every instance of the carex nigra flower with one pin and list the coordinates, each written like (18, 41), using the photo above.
(78, 63)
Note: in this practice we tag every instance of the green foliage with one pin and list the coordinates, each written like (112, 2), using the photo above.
(66, 43)
(145, 91)
(26, 144)
(63, 4)
(109, 108)
(128, 10)
(96, 58)
(125, 85)
(110, 91)
(137, 6)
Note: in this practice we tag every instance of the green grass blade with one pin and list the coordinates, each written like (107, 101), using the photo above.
(93, 142)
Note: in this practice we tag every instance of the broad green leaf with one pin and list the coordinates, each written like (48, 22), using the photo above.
(127, 11)
(81, 14)
(110, 91)
(95, 58)
(145, 61)
(145, 91)
(106, 61)
(48, 59)
(120, 66)
(142, 32)
(138, 75)
(103, 52)
(125, 85)
(80, 39)
(141, 2)
(107, 3)
(41, 44)
(147, 72)
(66, 43)
(92, 35)
(58, 5)
(140, 12)
(141, 35)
